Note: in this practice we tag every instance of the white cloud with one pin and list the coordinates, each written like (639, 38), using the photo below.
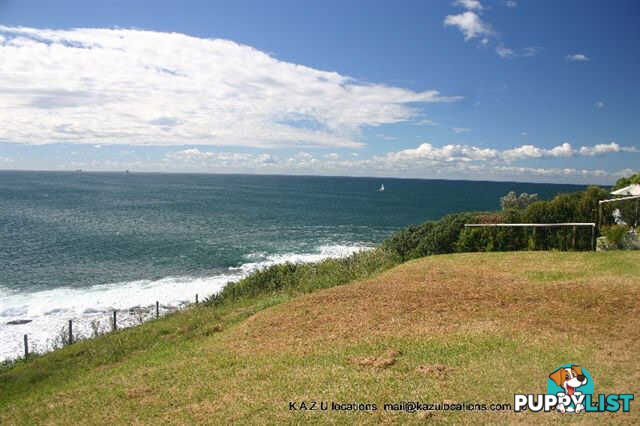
(511, 3)
(626, 172)
(190, 155)
(531, 151)
(524, 151)
(304, 155)
(577, 57)
(473, 26)
(564, 150)
(599, 104)
(504, 52)
(523, 134)
(426, 160)
(386, 137)
(133, 87)
(212, 160)
(605, 149)
(470, 24)
(469, 4)
(426, 122)
(531, 51)
(458, 130)
(447, 153)
(527, 52)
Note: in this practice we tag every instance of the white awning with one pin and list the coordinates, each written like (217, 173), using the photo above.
(628, 190)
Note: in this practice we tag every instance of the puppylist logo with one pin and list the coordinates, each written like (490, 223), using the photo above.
(570, 390)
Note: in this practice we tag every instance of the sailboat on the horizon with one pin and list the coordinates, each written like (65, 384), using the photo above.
(381, 188)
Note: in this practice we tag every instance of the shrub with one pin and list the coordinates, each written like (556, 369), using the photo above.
(512, 201)
(615, 234)
(305, 277)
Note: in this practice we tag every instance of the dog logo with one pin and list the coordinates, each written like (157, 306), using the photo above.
(570, 390)
(570, 381)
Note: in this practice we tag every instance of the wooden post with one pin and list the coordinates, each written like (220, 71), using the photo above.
(196, 298)
(157, 309)
(70, 332)
(115, 326)
(574, 237)
(599, 214)
(26, 347)
(593, 238)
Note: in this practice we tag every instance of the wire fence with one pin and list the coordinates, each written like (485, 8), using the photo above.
(70, 338)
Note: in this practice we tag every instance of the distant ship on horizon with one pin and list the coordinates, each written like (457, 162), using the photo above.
(381, 189)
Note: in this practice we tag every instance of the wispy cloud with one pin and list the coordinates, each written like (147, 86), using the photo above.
(469, 4)
(386, 137)
(117, 86)
(426, 122)
(577, 57)
(511, 3)
(472, 25)
(504, 52)
(599, 104)
(531, 51)
(460, 130)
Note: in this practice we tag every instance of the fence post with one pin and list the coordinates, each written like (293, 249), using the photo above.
(70, 332)
(574, 237)
(593, 237)
(196, 298)
(115, 326)
(26, 347)
(157, 309)
(534, 238)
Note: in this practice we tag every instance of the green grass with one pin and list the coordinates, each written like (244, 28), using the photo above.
(474, 327)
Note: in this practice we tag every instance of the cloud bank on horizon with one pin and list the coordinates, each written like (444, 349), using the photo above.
(133, 87)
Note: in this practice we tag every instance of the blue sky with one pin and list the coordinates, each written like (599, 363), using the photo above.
(468, 89)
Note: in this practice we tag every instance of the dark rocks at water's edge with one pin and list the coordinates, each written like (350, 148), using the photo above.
(19, 322)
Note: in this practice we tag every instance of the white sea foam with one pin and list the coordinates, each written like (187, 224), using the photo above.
(50, 310)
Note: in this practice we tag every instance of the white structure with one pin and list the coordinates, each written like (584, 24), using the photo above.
(628, 190)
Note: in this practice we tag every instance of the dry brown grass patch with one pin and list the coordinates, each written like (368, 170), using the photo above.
(386, 359)
(436, 370)
(453, 294)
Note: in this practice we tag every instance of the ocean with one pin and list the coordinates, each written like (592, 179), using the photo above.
(77, 245)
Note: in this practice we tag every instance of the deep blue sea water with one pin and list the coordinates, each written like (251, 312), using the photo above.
(76, 245)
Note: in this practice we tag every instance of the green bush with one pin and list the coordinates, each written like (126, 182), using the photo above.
(305, 277)
(615, 234)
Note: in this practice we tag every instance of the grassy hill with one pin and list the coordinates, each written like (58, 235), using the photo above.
(474, 327)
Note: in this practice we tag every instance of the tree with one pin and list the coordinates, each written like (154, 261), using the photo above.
(512, 201)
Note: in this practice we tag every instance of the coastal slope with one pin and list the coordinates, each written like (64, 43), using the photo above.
(472, 328)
